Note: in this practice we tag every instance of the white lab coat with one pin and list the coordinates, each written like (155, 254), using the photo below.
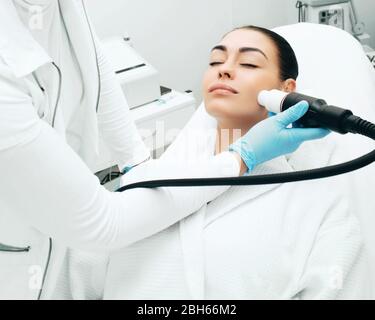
(281, 241)
(47, 189)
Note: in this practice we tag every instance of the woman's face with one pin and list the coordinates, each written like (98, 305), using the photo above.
(244, 63)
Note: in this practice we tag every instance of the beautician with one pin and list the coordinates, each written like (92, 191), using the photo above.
(57, 93)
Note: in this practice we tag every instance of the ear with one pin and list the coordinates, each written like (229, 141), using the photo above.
(289, 85)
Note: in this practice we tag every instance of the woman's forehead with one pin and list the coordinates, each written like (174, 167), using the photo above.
(248, 38)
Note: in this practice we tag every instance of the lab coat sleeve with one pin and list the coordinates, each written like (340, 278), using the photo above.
(115, 121)
(337, 267)
(45, 183)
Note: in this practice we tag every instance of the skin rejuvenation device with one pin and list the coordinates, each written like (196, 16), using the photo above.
(320, 114)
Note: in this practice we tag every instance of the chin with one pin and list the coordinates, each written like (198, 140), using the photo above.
(219, 108)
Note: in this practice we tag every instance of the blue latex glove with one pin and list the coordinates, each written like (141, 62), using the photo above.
(271, 138)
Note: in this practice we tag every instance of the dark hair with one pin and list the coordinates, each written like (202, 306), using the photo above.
(288, 64)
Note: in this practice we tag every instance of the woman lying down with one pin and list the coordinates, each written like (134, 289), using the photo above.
(287, 241)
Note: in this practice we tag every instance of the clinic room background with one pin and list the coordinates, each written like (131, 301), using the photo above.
(177, 46)
(88, 122)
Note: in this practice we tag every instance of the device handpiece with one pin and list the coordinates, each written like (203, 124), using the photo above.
(319, 114)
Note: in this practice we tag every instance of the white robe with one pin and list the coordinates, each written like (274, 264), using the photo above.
(298, 240)
(281, 241)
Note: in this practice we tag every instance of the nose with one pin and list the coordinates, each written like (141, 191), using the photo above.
(226, 71)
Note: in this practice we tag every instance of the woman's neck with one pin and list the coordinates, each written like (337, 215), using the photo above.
(228, 133)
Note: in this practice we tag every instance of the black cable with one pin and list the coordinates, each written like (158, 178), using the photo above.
(358, 125)
(295, 176)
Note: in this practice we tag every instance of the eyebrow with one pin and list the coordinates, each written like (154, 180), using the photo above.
(241, 50)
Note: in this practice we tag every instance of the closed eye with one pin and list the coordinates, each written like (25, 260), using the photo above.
(248, 65)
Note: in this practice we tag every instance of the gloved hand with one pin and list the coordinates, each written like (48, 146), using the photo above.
(271, 138)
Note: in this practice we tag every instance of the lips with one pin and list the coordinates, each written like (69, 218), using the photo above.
(222, 87)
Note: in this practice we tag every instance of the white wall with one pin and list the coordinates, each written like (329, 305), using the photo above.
(175, 36)
(266, 13)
